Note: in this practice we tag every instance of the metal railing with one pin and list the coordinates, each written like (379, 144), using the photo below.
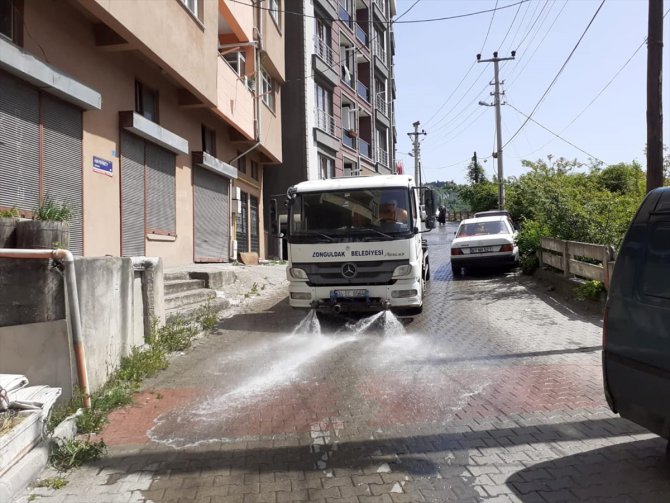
(348, 140)
(382, 156)
(381, 104)
(344, 14)
(381, 4)
(324, 121)
(381, 52)
(364, 148)
(363, 91)
(324, 51)
(361, 35)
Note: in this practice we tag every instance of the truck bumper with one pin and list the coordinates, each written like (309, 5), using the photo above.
(404, 293)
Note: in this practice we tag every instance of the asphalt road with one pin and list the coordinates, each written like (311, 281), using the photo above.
(494, 393)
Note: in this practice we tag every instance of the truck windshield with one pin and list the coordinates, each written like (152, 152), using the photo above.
(353, 214)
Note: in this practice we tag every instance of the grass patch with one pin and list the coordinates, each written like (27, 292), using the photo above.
(590, 290)
(177, 335)
(52, 483)
(74, 453)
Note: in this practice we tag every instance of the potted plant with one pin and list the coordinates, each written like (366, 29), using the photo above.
(49, 228)
(8, 220)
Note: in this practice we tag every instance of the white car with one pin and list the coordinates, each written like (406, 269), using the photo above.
(484, 241)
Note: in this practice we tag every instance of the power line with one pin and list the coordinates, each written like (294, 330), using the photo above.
(537, 105)
(452, 93)
(529, 118)
(508, 29)
(446, 115)
(490, 24)
(516, 32)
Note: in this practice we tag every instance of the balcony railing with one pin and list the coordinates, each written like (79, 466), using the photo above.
(363, 91)
(382, 156)
(345, 15)
(324, 51)
(325, 121)
(381, 104)
(382, 5)
(348, 140)
(361, 35)
(364, 148)
(381, 52)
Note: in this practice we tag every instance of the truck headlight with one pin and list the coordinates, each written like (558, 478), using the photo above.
(297, 273)
(402, 270)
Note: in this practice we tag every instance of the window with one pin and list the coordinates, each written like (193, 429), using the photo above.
(146, 102)
(350, 168)
(326, 167)
(322, 40)
(274, 8)
(346, 9)
(191, 5)
(242, 164)
(324, 109)
(380, 44)
(347, 64)
(254, 170)
(657, 260)
(10, 19)
(238, 62)
(209, 141)
(267, 90)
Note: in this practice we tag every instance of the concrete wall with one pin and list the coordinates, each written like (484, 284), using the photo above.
(117, 302)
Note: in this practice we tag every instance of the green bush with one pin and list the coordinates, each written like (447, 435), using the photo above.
(590, 290)
(53, 211)
(74, 453)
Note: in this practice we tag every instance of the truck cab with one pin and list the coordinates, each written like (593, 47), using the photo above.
(354, 244)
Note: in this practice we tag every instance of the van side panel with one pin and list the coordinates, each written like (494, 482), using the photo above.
(636, 360)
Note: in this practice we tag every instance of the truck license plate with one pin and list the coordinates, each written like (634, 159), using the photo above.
(350, 293)
(482, 249)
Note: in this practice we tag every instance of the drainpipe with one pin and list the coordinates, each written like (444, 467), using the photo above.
(64, 256)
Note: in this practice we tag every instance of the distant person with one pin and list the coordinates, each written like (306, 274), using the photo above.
(442, 215)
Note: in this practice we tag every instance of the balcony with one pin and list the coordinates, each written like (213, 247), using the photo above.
(238, 111)
(361, 35)
(324, 121)
(380, 51)
(345, 15)
(364, 148)
(348, 140)
(380, 6)
(382, 156)
(324, 51)
(380, 103)
(363, 91)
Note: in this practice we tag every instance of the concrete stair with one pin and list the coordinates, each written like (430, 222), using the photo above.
(185, 295)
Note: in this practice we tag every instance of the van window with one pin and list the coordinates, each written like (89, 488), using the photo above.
(657, 264)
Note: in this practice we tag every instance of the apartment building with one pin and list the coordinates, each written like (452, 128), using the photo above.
(338, 99)
(154, 119)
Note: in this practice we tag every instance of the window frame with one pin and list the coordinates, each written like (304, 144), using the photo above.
(140, 90)
(208, 140)
(15, 19)
(329, 165)
(255, 172)
(267, 90)
(274, 9)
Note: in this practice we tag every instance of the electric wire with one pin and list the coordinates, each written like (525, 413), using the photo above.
(493, 15)
(574, 49)
(510, 28)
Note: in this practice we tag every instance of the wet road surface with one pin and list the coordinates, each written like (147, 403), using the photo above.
(494, 393)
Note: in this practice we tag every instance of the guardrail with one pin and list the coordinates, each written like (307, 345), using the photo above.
(457, 216)
(567, 256)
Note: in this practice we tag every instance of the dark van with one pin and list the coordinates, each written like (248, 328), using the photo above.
(636, 330)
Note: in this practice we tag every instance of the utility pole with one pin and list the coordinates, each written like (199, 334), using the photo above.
(496, 102)
(654, 96)
(417, 150)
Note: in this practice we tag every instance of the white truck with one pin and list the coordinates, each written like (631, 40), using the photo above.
(354, 244)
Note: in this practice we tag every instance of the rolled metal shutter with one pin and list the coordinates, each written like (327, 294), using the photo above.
(243, 226)
(132, 195)
(19, 144)
(253, 223)
(62, 161)
(212, 224)
(161, 193)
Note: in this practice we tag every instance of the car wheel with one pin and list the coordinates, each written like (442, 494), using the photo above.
(427, 274)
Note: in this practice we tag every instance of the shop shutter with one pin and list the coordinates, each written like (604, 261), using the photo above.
(212, 224)
(19, 144)
(62, 161)
(253, 223)
(132, 195)
(161, 195)
(243, 226)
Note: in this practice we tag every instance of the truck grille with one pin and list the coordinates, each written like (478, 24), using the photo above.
(367, 272)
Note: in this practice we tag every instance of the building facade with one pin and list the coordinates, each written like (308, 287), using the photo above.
(154, 120)
(338, 99)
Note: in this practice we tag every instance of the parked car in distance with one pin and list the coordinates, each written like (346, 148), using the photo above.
(636, 325)
(494, 213)
(484, 242)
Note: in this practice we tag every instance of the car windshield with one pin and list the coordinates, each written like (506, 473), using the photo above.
(482, 229)
(382, 213)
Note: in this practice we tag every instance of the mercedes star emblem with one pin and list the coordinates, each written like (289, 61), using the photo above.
(349, 270)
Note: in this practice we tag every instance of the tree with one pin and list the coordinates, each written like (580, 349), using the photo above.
(476, 173)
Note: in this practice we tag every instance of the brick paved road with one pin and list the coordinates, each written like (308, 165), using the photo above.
(493, 394)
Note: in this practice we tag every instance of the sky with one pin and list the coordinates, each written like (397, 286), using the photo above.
(432, 59)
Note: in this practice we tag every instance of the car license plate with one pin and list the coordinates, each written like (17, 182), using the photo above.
(350, 293)
(482, 249)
